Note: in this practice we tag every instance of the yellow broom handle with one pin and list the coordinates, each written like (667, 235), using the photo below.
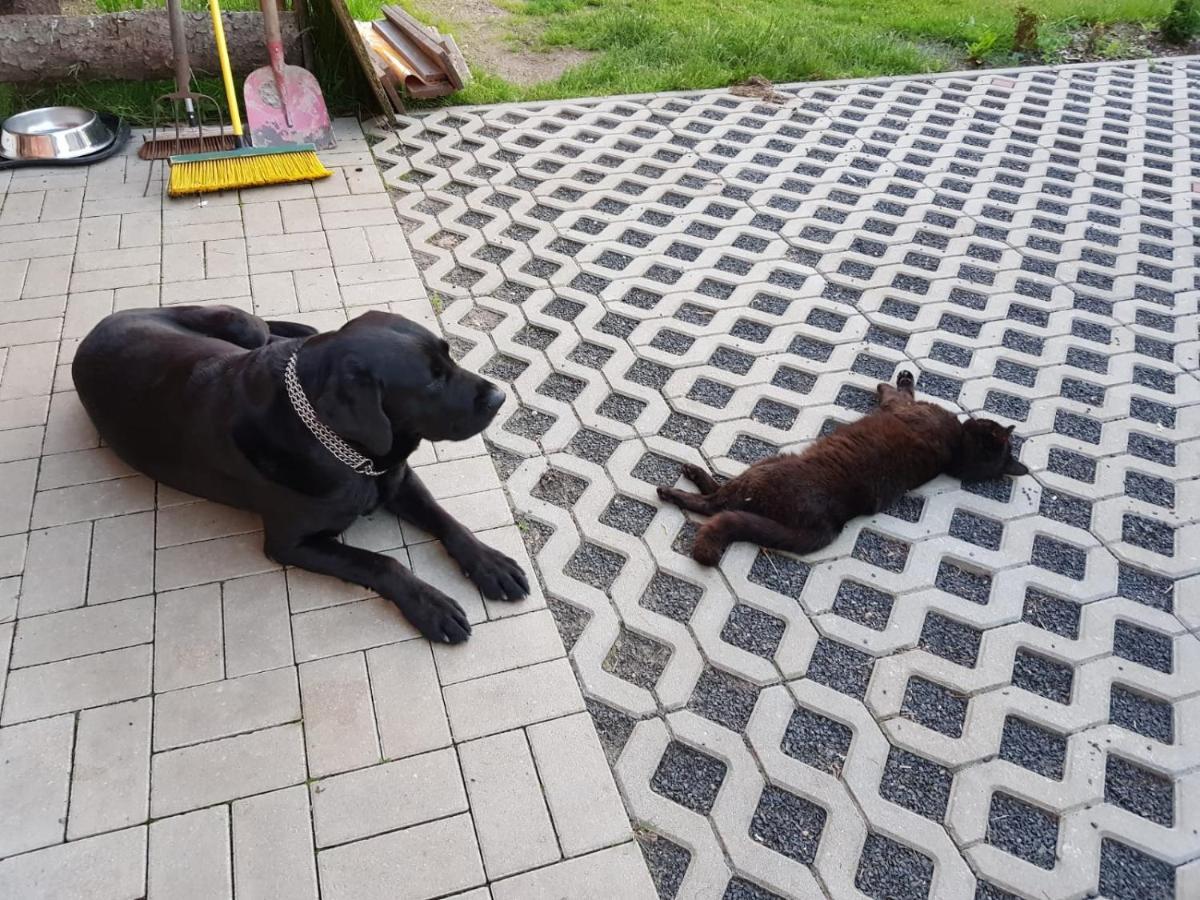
(235, 118)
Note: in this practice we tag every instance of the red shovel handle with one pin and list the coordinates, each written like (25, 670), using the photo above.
(275, 51)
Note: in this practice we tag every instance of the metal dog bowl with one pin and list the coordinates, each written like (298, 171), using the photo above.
(55, 132)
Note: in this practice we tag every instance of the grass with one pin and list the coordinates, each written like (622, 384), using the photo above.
(653, 45)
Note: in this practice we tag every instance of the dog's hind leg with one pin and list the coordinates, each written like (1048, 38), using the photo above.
(225, 323)
(285, 330)
(699, 503)
(700, 478)
(723, 529)
(435, 615)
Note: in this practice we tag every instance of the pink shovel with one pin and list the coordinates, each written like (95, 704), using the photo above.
(284, 104)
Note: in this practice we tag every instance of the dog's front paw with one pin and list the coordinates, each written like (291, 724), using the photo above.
(904, 379)
(435, 615)
(497, 576)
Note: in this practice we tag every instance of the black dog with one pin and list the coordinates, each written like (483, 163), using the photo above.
(197, 398)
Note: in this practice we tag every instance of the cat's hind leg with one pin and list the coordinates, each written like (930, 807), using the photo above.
(729, 526)
(700, 478)
(699, 503)
(889, 397)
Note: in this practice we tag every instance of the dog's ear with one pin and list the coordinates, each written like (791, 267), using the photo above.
(351, 403)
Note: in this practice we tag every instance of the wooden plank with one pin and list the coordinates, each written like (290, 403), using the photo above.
(359, 49)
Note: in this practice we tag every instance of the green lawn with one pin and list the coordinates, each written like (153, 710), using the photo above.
(653, 45)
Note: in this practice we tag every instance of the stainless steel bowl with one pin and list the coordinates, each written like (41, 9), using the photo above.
(55, 132)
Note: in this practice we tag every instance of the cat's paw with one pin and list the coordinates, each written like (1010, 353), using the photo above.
(904, 379)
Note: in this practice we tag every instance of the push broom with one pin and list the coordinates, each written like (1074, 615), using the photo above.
(243, 166)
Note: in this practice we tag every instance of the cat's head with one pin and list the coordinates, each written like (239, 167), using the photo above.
(986, 451)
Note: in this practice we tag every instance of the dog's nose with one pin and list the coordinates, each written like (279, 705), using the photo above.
(491, 398)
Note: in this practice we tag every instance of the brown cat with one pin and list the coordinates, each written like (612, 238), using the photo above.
(799, 503)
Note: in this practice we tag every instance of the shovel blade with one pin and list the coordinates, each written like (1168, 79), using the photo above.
(306, 120)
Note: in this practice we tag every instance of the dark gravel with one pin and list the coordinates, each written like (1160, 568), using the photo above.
(1141, 645)
(1051, 613)
(741, 889)
(1027, 832)
(1141, 714)
(529, 423)
(570, 620)
(1145, 587)
(949, 639)
(788, 824)
(1059, 556)
(753, 630)
(1142, 792)
(817, 741)
(1128, 874)
(723, 698)
(864, 605)
(672, 597)
(1149, 534)
(916, 783)
(973, 586)
(560, 488)
(878, 550)
(783, 574)
(890, 871)
(595, 565)
(592, 446)
(1042, 676)
(689, 777)
(1034, 748)
(637, 659)
(840, 667)
(612, 726)
(685, 429)
(934, 706)
(667, 862)
(628, 515)
(976, 529)
(1072, 465)
(621, 408)
(710, 393)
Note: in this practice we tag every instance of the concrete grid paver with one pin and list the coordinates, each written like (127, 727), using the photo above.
(985, 689)
(178, 717)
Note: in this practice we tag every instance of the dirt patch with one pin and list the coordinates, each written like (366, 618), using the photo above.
(492, 39)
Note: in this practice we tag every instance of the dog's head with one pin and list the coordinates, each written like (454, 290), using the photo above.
(986, 451)
(381, 376)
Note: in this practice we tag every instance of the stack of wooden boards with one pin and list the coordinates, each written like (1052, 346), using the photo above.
(416, 57)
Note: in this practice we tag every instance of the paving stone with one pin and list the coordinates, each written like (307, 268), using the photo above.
(512, 699)
(273, 845)
(80, 632)
(583, 799)
(409, 712)
(616, 871)
(507, 806)
(223, 770)
(424, 861)
(188, 638)
(107, 865)
(257, 624)
(497, 646)
(189, 856)
(223, 708)
(35, 773)
(75, 684)
(386, 797)
(339, 722)
(110, 781)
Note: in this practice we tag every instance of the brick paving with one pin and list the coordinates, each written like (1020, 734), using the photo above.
(181, 718)
(987, 691)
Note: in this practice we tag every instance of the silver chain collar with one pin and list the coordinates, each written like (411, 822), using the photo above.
(329, 439)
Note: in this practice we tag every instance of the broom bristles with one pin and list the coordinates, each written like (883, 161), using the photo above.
(202, 173)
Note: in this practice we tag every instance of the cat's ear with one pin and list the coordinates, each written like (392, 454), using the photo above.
(1015, 467)
(1009, 430)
